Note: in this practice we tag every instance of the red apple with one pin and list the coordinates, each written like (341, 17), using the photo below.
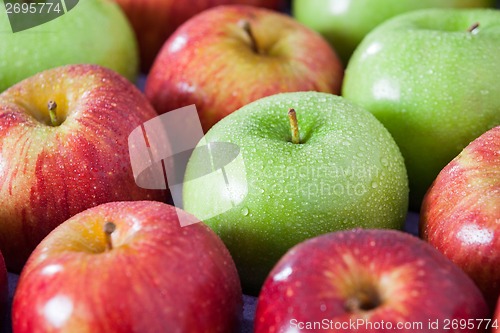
(460, 214)
(52, 169)
(367, 281)
(149, 275)
(155, 20)
(4, 292)
(229, 56)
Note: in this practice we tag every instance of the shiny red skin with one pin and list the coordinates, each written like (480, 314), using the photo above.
(51, 173)
(415, 282)
(4, 292)
(155, 20)
(460, 215)
(159, 276)
(209, 62)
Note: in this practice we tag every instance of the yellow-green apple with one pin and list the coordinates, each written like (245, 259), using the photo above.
(63, 149)
(94, 31)
(460, 214)
(229, 56)
(344, 23)
(3, 290)
(368, 281)
(155, 20)
(430, 77)
(128, 267)
(333, 167)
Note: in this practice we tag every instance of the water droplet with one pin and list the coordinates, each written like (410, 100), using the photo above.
(244, 211)
(374, 185)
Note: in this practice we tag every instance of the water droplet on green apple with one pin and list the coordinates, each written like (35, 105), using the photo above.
(244, 211)
(374, 185)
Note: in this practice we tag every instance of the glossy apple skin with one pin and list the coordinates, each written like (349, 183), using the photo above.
(209, 62)
(155, 20)
(415, 74)
(93, 32)
(4, 292)
(414, 282)
(159, 276)
(461, 212)
(348, 172)
(344, 23)
(51, 173)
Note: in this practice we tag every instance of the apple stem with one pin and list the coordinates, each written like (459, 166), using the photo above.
(109, 228)
(473, 27)
(246, 26)
(53, 113)
(294, 126)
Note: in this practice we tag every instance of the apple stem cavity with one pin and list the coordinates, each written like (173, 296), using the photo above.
(294, 126)
(473, 28)
(53, 113)
(364, 300)
(109, 228)
(246, 26)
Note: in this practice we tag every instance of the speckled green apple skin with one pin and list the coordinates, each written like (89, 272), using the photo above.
(93, 32)
(288, 197)
(346, 22)
(433, 84)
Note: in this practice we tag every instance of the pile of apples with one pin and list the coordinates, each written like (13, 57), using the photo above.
(321, 129)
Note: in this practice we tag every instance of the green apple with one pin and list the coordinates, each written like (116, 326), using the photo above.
(431, 77)
(345, 171)
(344, 23)
(93, 32)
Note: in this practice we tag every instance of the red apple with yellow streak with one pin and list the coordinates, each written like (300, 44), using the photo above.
(460, 214)
(368, 281)
(128, 267)
(229, 56)
(155, 20)
(63, 149)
